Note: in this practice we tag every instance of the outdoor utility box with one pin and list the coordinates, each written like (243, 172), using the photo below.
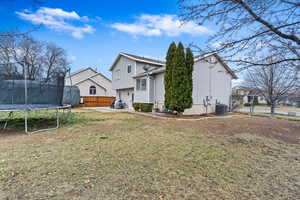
(221, 109)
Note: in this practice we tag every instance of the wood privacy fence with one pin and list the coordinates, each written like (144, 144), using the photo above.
(96, 101)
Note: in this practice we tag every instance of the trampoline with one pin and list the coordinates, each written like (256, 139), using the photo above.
(24, 90)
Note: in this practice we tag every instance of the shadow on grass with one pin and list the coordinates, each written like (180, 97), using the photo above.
(41, 120)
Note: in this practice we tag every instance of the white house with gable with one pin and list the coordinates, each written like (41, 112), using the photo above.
(138, 79)
(91, 83)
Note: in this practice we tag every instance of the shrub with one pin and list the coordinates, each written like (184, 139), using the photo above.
(255, 100)
(247, 104)
(143, 107)
(137, 106)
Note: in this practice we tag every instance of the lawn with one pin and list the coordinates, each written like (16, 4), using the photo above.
(127, 156)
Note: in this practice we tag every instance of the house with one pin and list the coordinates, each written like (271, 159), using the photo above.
(138, 79)
(91, 83)
(247, 95)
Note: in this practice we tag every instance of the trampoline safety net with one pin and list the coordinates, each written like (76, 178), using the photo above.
(21, 88)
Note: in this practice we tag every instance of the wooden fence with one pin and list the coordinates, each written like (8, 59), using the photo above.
(97, 101)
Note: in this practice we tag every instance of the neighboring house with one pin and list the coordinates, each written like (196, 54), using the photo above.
(247, 95)
(138, 79)
(91, 83)
(292, 100)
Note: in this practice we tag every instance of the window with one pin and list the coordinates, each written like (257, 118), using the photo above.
(92, 90)
(138, 83)
(129, 68)
(117, 74)
(141, 84)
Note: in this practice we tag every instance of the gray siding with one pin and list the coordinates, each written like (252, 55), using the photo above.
(220, 83)
(84, 81)
(126, 80)
(84, 88)
(159, 88)
(140, 66)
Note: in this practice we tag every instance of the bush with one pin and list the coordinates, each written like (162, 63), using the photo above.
(247, 104)
(143, 107)
(137, 106)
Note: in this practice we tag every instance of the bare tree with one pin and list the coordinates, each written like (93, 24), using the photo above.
(20, 54)
(273, 82)
(55, 60)
(249, 32)
(29, 54)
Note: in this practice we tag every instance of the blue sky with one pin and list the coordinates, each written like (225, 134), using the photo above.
(94, 32)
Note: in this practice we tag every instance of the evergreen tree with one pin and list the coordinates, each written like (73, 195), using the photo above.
(170, 64)
(178, 78)
(189, 67)
(180, 81)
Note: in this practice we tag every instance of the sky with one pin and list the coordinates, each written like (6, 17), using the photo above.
(94, 32)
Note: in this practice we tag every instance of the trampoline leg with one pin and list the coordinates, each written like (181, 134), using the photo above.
(6, 122)
(57, 118)
(26, 122)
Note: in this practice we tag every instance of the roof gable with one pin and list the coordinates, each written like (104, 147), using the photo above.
(81, 71)
(137, 59)
(219, 59)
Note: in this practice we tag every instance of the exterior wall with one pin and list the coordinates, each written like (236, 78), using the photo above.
(107, 84)
(145, 96)
(199, 109)
(140, 66)
(125, 96)
(203, 76)
(212, 81)
(126, 80)
(151, 89)
(80, 76)
(159, 89)
(81, 80)
(84, 88)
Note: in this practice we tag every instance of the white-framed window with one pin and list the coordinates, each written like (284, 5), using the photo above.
(141, 84)
(129, 69)
(93, 90)
(117, 74)
(138, 84)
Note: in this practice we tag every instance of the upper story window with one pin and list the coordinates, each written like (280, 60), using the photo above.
(141, 84)
(117, 75)
(93, 90)
(129, 68)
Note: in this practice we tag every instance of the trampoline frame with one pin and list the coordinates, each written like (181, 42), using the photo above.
(27, 110)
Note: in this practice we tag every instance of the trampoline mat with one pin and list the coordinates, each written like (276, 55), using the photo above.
(21, 107)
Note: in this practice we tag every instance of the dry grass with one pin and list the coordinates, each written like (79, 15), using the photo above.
(145, 158)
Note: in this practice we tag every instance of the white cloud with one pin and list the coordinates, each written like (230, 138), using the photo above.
(72, 58)
(56, 19)
(157, 25)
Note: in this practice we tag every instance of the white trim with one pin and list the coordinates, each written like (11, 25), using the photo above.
(80, 71)
(135, 59)
(140, 60)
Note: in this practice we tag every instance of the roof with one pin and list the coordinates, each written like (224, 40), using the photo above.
(138, 59)
(85, 69)
(152, 72)
(196, 58)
